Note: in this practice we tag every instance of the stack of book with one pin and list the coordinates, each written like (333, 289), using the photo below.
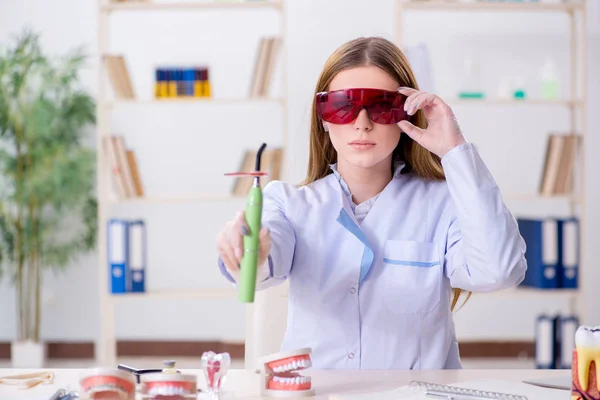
(123, 166)
(559, 165)
(264, 66)
(118, 74)
(181, 82)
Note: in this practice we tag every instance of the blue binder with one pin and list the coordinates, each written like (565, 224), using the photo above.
(545, 342)
(137, 256)
(542, 252)
(568, 237)
(566, 327)
(117, 255)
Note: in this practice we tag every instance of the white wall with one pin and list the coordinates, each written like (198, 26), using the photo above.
(188, 144)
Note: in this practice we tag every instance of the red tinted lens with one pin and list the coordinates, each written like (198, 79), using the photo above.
(343, 106)
(388, 110)
(336, 107)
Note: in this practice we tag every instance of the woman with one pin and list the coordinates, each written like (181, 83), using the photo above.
(388, 228)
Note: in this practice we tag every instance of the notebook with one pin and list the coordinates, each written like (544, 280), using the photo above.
(472, 390)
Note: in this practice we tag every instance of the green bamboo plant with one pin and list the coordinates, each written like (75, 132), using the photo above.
(47, 204)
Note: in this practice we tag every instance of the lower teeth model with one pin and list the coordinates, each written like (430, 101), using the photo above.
(280, 377)
(586, 364)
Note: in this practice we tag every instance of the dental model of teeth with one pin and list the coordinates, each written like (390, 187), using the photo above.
(586, 364)
(280, 377)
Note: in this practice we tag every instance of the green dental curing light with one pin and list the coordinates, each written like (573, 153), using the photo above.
(253, 214)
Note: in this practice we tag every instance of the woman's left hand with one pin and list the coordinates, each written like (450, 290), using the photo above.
(442, 133)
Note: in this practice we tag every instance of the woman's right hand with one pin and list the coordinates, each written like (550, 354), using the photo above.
(230, 243)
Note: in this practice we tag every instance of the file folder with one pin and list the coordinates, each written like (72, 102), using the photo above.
(545, 342)
(542, 252)
(566, 329)
(117, 255)
(569, 253)
(137, 256)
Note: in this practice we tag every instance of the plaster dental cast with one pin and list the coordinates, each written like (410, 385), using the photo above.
(397, 218)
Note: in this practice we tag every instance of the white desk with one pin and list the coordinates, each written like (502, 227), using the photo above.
(245, 384)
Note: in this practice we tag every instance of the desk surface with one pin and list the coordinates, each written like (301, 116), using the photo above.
(245, 384)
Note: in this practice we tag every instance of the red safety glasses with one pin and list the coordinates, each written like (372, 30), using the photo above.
(343, 106)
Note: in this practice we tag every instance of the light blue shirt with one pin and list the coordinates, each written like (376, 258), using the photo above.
(360, 210)
(371, 284)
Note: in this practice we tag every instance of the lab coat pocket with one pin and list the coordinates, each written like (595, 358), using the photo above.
(412, 274)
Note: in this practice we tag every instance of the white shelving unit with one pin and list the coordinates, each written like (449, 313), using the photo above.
(576, 104)
(106, 343)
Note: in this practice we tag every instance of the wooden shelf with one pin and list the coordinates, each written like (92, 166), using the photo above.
(190, 5)
(513, 102)
(200, 198)
(177, 294)
(489, 6)
(194, 101)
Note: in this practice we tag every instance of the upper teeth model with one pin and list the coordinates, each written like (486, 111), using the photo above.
(280, 377)
(587, 343)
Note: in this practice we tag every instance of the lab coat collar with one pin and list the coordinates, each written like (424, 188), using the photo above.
(398, 167)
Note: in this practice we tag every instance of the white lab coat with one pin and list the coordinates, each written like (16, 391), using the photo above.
(376, 294)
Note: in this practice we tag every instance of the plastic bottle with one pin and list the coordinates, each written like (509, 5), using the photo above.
(470, 85)
(549, 80)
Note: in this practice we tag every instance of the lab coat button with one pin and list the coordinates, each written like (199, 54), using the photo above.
(352, 290)
(350, 355)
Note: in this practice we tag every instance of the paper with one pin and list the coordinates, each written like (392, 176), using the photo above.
(560, 382)
(491, 385)
(519, 388)
(401, 393)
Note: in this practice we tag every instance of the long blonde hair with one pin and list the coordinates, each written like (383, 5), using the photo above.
(382, 53)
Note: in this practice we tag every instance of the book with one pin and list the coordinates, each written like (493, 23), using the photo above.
(264, 66)
(559, 165)
(118, 74)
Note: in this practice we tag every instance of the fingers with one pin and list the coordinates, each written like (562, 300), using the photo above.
(226, 253)
(414, 132)
(407, 91)
(412, 96)
(230, 242)
(418, 100)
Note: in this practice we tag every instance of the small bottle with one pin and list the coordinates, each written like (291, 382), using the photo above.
(549, 80)
(169, 367)
(519, 92)
(471, 80)
(503, 91)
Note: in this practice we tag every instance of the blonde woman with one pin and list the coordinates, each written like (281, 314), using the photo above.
(398, 215)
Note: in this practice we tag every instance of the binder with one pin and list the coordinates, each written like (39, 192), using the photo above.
(568, 237)
(566, 328)
(545, 342)
(542, 252)
(137, 257)
(117, 255)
